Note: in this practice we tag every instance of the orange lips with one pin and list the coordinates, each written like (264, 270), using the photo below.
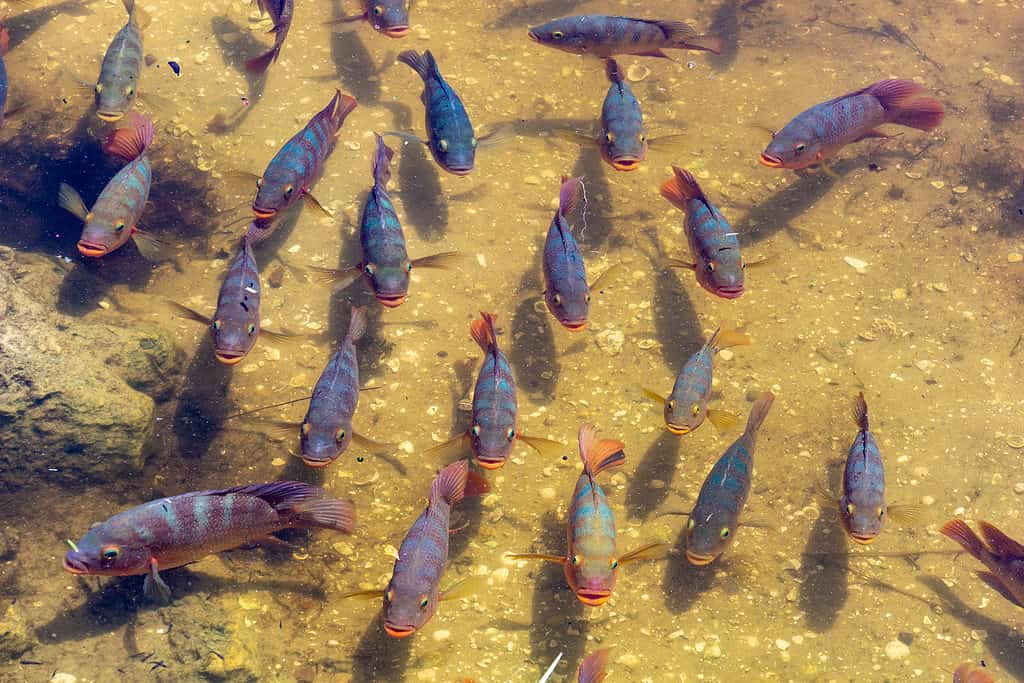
(678, 430)
(397, 31)
(392, 301)
(490, 464)
(263, 213)
(770, 161)
(863, 540)
(625, 164)
(699, 560)
(316, 464)
(228, 358)
(593, 598)
(574, 326)
(398, 631)
(91, 249)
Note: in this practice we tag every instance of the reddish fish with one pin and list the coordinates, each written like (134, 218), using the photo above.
(592, 669)
(969, 673)
(1003, 556)
(171, 532)
(280, 12)
(818, 133)
(604, 36)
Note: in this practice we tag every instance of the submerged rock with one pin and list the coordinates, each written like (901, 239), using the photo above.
(15, 639)
(71, 390)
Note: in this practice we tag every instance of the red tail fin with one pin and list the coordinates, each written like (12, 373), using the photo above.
(382, 162)
(904, 105)
(130, 142)
(258, 65)
(681, 188)
(598, 456)
(759, 412)
(1000, 543)
(860, 412)
(482, 331)
(592, 668)
(5, 41)
(958, 530)
(450, 483)
(345, 104)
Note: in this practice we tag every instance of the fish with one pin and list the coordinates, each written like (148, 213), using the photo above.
(716, 515)
(385, 266)
(280, 12)
(236, 322)
(1001, 555)
(412, 595)
(566, 291)
(623, 141)
(177, 530)
(862, 507)
(687, 405)
(605, 36)
(819, 133)
(714, 246)
(5, 40)
(390, 17)
(297, 164)
(590, 563)
(969, 673)
(592, 668)
(119, 74)
(451, 139)
(114, 217)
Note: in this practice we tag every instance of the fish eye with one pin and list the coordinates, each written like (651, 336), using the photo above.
(609, 137)
(129, 91)
(557, 298)
(473, 141)
(577, 560)
(424, 602)
(119, 227)
(511, 433)
(881, 512)
(557, 35)
(743, 265)
(408, 266)
(724, 533)
(615, 563)
(475, 430)
(388, 595)
(670, 404)
(800, 146)
(711, 266)
(643, 138)
(587, 297)
(369, 269)
(339, 436)
(850, 508)
(695, 409)
(288, 189)
(259, 183)
(442, 145)
(305, 428)
(691, 524)
(252, 328)
(99, 88)
(378, 10)
(111, 553)
(216, 324)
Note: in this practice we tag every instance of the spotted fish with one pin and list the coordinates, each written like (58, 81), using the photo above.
(390, 17)
(714, 247)
(819, 133)
(114, 218)
(385, 267)
(297, 164)
(713, 522)
(1001, 555)
(604, 36)
(280, 12)
(591, 562)
(171, 532)
(687, 405)
(119, 74)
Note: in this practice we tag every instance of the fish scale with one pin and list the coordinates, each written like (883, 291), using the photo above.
(119, 72)
(495, 405)
(381, 235)
(623, 143)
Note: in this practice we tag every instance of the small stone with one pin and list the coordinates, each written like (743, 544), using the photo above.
(924, 366)
(407, 447)
(927, 500)
(1018, 488)
(628, 660)
(782, 644)
(1015, 441)
(857, 264)
(637, 72)
(277, 462)
(610, 341)
(960, 189)
(867, 335)
(899, 294)
(646, 344)
(896, 650)
(442, 634)
(1014, 257)
(726, 354)
(547, 493)
(938, 184)
(61, 677)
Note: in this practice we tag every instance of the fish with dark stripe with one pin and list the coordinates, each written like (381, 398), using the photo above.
(1001, 555)
(280, 12)
(297, 164)
(114, 218)
(119, 73)
(604, 36)
(385, 266)
(566, 291)
(714, 246)
(713, 522)
(623, 141)
(819, 133)
(171, 532)
(591, 563)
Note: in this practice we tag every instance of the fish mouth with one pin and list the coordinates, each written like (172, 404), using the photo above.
(263, 213)
(593, 598)
(679, 430)
(459, 170)
(229, 357)
(699, 560)
(729, 292)
(73, 566)
(91, 249)
(396, 31)
(574, 325)
(863, 540)
(398, 631)
(770, 161)
(392, 300)
(315, 463)
(625, 163)
(490, 464)
(111, 116)
(533, 36)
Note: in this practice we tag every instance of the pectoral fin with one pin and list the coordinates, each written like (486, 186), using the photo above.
(651, 551)
(443, 260)
(339, 278)
(654, 396)
(608, 277)
(663, 141)
(363, 595)
(284, 429)
(465, 588)
(722, 419)
(545, 447)
(272, 541)
(346, 20)
(558, 559)
(408, 137)
(680, 263)
(69, 200)
(450, 448)
(314, 203)
(281, 337)
(189, 313)
(758, 262)
(575, 137)
(152, 249)
(371, 445)
(154, 587)
(873, 134)
(905, 514)
(495, 137)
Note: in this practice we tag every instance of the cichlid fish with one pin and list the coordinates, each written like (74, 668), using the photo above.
(715, 250)
(716, 515)
(4, 44)
(390, 17)
(818, 133)
(687, 405)
(119, 73)
(280, 12)
(623, 142)
(1001, 555)
(114, 218)
(385, 266)
(412, 596)
(297, 164)
(592, 668)
(236, 322)
(171, 532)
(969, 673)
(591, 563)
(604, 36)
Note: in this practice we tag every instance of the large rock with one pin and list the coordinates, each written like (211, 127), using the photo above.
(71, 390)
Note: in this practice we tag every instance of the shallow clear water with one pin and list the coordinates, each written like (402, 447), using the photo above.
(927, 331)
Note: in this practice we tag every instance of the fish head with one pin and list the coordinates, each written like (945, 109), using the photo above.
(592, 577)
(390, 284)
(570, 308)
(623, 146)
(234, 333)
(456, 154)
(408, 608)
(707, 537)
(683, 414)
(114, 97)
(103, 234)
(105, 552)
(561, 34)
(276, 189)
(322, 443)
(794, 147)
(491, 444)
(862, 515)
(390, 17)
(721, 272)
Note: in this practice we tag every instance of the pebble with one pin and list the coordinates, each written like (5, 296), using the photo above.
(960, 189)
(857, 264)
(938, 184)
(1015, 441)
(442, 634)
(407, 447)
(637, 72)
(896, 650)
(928, 500)
(610, 341)
(630, 660)
(277, 462)
(547, 493)
(726, 354)
(1014, 257)
(899, 294)
(782, 644)
(63, 678)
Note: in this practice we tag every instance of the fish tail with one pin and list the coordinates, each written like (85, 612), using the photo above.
(611, 68)
(260, 64)
(482, 331)
(356, 324)
(326, 513)
(450, 483)
(958, 530)
(707, 43)
(904, 106)
(382, 162)
(592, 669)
(681, 188)
(681, 35)
(860, 412)
(423, 64)
(725, 337)
(569, 195)
(343, 106)
(1000, 543)
(130, 142)
(598, 456)
(301, 505)
(759, 412)
(129, 6)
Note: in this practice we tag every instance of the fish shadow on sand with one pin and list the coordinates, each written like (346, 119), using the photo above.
(725, 23)
(465, 377)
(1000, 173)
(423, 201)
(824, 574)
(354, 68)
(22, 26)
(659, 462)
(684, 583)
(203, 402)
(531, 352)
(1002, 640)
(592, 223)
(378, 656)
(235, 54)
(524, 13)
(557, 615)
(675, 319)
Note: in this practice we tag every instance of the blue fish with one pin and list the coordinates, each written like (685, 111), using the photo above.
(623, 141)
(119, 73)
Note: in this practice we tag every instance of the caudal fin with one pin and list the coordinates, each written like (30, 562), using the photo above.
(343, 106)
(258, 65)
(592, 669)
(482, 331)
(423, 64)
(130, 142)
(904, 104)
(860, 412)
(612, 70)
(450, 483)
(681, 188)
(356, 324)
(1000, 543)
(569, 195)
(598, 456)
(759, 412)
(382, 162)
(683, 36)
(958, 530)
(300, 505)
